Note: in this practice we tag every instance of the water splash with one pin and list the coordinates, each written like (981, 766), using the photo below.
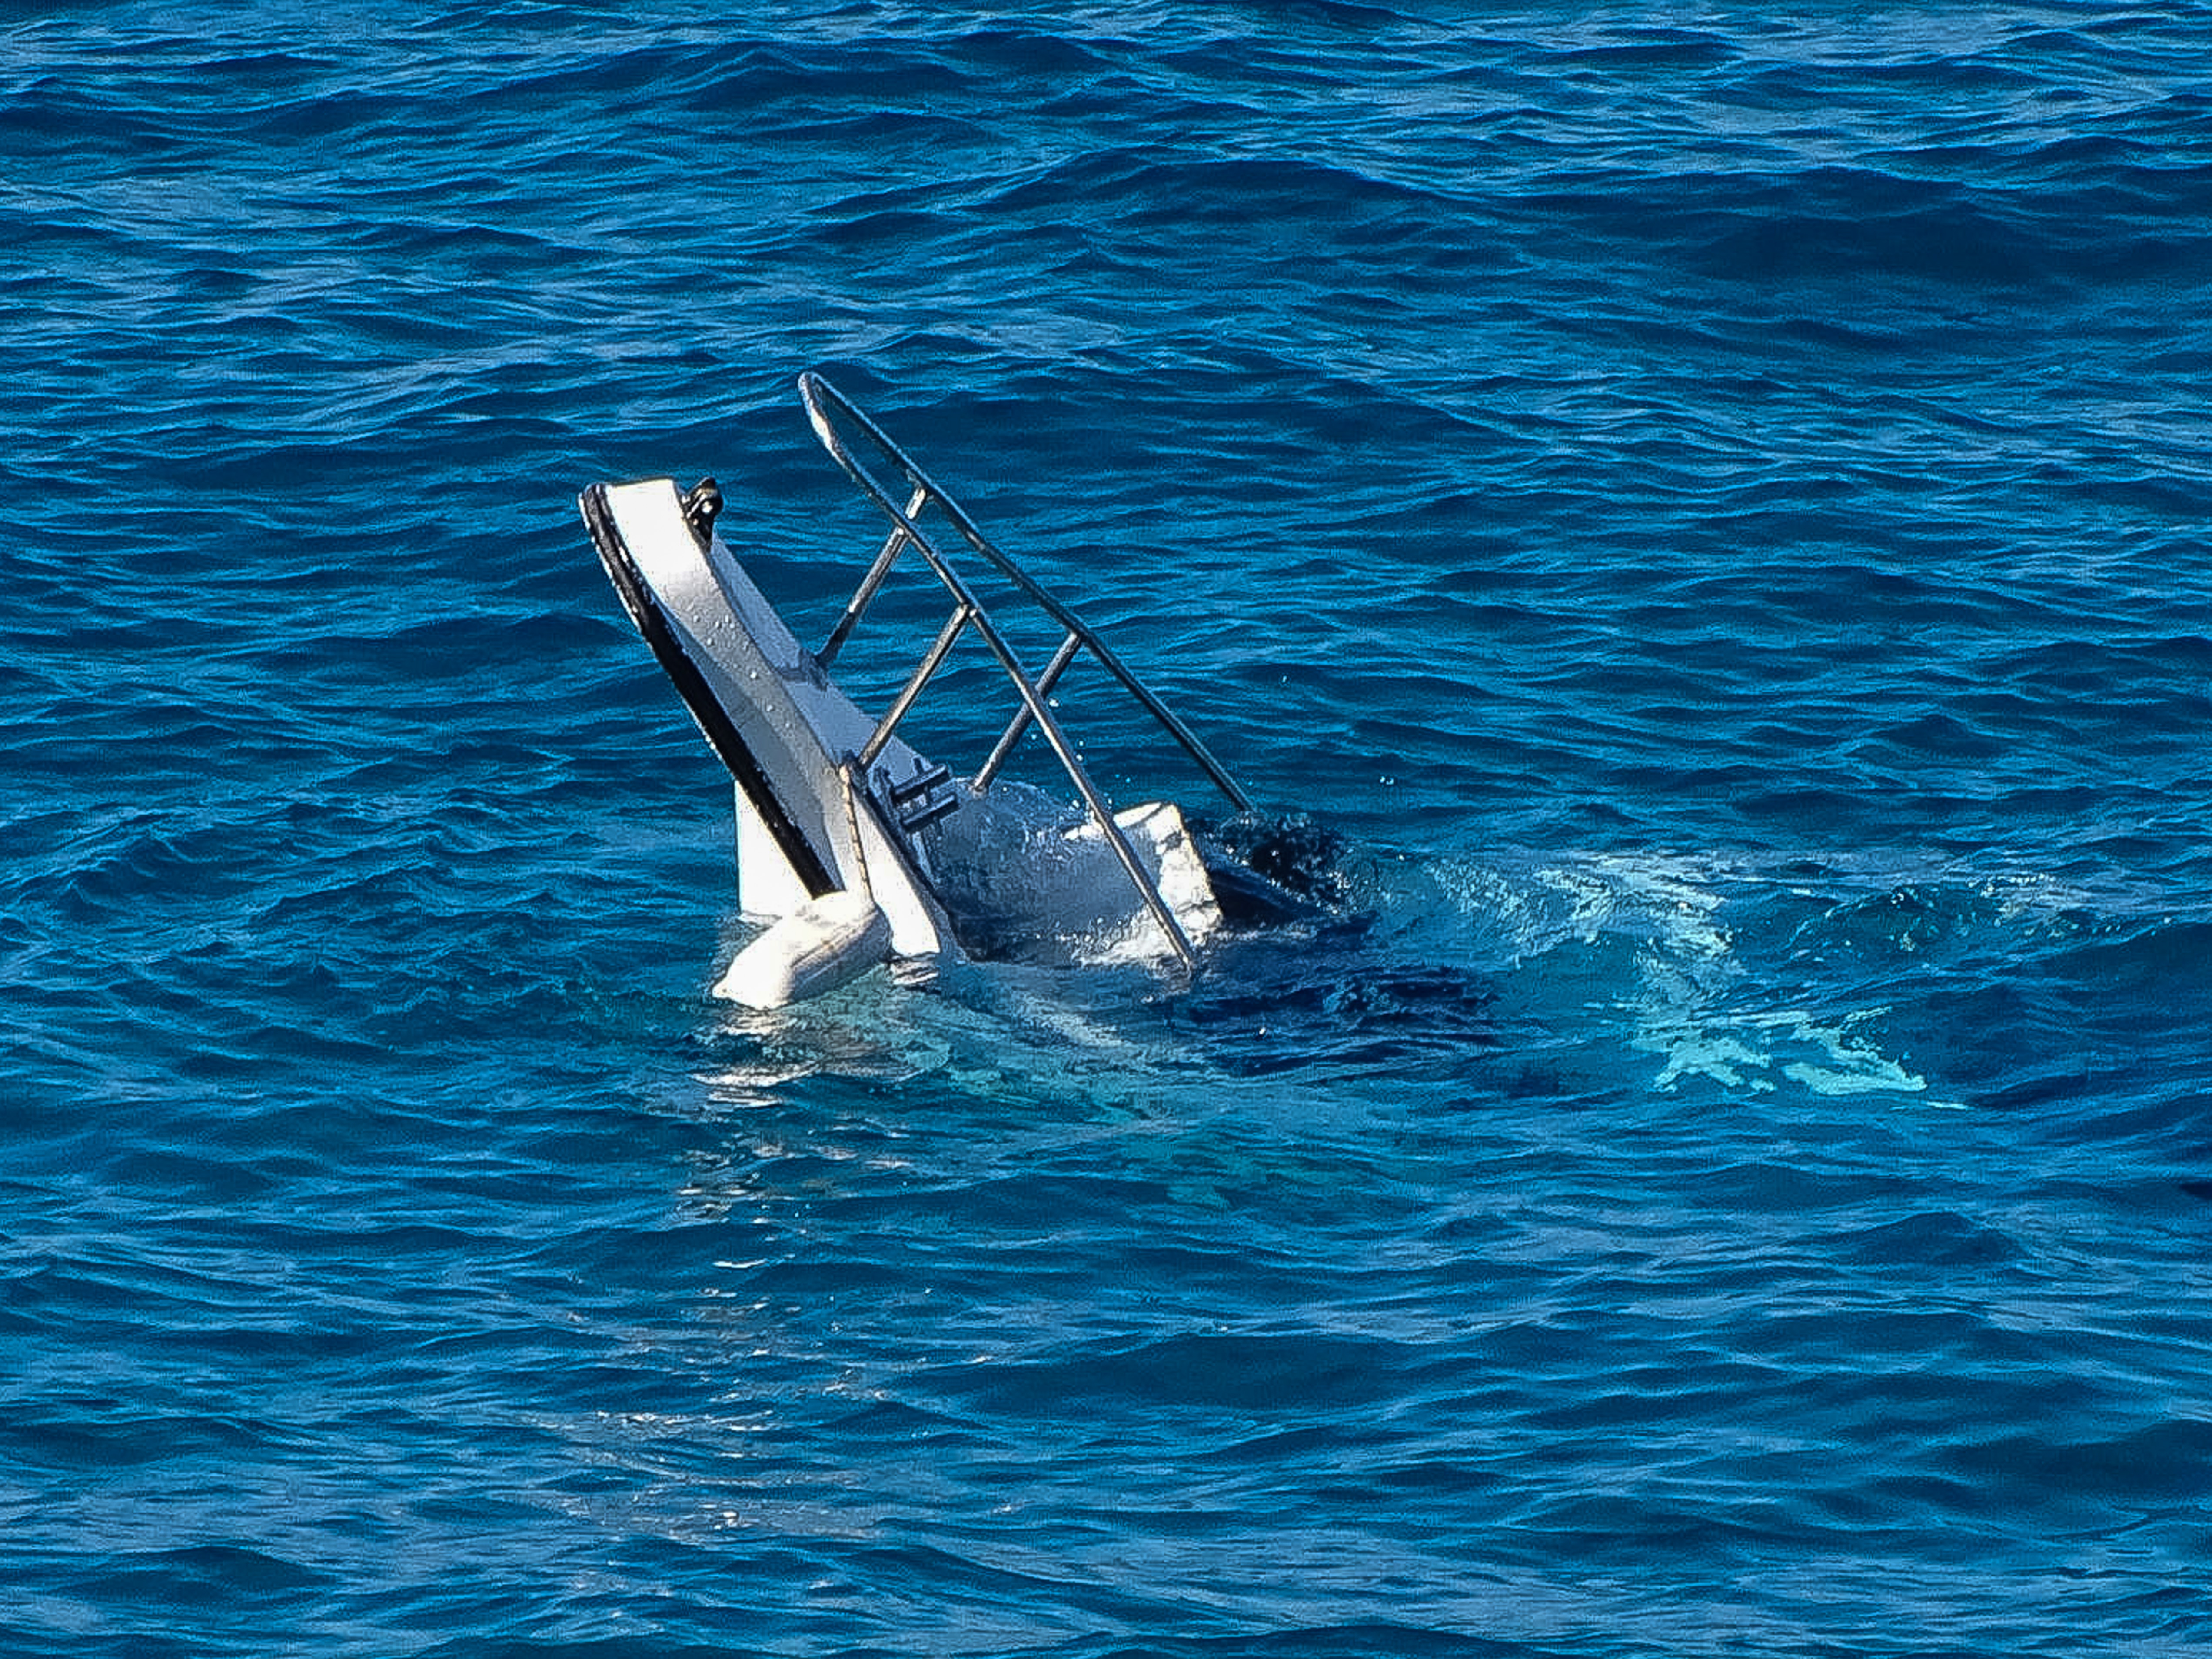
(1678, 952)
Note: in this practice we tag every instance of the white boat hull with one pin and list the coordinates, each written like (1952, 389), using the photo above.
(825, 856)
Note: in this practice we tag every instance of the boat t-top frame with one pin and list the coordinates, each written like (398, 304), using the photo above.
(840, 425)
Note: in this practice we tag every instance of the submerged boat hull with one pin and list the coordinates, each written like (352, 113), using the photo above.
(844, 831)
(765, 707)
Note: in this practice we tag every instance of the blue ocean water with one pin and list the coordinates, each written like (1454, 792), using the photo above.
(1709, 504)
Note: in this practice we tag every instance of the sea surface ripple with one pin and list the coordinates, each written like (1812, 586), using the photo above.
(1710, 503)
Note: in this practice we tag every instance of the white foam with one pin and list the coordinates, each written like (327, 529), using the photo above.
(1651, 940)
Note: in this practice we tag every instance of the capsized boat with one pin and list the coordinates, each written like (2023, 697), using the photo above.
(853, 847)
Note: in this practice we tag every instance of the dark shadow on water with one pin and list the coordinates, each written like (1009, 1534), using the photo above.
(1270, 1007)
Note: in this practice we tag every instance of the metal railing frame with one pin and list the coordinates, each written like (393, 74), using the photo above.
(825, 406)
